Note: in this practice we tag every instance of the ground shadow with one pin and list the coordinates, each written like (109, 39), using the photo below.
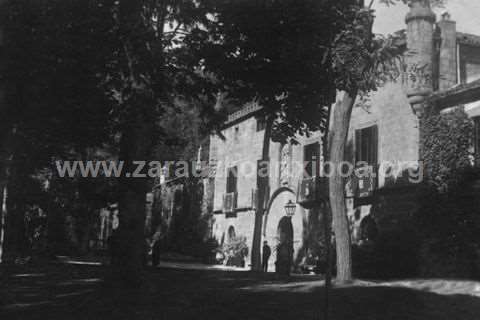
(193, 294)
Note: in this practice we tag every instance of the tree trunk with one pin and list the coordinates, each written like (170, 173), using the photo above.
(135, 146)
(3, 215)
(262, 187)
(131, 232)
(3, 207)
(56, 228)
(327, 224)
(338, 138)
(16, 240)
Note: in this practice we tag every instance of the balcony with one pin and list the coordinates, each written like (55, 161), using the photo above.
(362, 184)
(230, 204)
(312, 191)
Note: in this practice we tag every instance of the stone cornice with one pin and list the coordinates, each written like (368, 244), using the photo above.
(426, 14)
(420, 10)
(457, 95)
(247, 111)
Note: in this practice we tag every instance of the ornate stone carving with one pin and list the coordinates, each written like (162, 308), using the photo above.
(285, 164)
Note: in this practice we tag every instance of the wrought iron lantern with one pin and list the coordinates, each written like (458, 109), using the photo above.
(290, 208)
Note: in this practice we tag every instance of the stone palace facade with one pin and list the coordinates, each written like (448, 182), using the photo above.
(384, 129)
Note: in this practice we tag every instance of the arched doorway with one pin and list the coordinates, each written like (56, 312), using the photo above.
(285, 230)
(231, 234)
(279, 228)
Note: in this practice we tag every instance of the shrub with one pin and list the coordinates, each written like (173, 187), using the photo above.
(448, 217)
(449, 224)
(392, 255)
(235, 250)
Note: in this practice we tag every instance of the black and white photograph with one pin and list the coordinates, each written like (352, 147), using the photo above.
(240, 159)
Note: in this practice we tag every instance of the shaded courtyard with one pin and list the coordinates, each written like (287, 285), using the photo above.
(80, 292)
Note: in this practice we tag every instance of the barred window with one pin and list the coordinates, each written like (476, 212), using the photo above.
(311, 157)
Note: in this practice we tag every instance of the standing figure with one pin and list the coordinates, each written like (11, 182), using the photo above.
(266, 252)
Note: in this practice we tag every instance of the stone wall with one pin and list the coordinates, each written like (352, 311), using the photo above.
(389, 108)
(398, 127)
(398, 137)
(398, 133)
(242, 147)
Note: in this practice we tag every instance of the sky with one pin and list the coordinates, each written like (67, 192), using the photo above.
(465, 12)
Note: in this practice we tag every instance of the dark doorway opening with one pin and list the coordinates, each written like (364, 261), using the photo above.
(284, 246)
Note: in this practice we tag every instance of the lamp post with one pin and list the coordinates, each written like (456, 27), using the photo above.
(285, 247)
(290, 208)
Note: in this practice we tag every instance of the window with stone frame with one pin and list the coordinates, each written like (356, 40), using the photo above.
(366, 145)
(232, 180)
(311, 158)
(261, 123)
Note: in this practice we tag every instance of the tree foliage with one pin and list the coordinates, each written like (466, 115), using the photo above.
(89, 75)
(272, 52)
(85, 74)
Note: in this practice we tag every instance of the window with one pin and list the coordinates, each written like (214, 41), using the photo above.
(232, 180)
(366, 145)
(472, 71)
(231, 234)
(469, 64)
(261, 123)
(311, 158)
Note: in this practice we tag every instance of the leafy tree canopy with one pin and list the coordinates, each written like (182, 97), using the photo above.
(292, 57)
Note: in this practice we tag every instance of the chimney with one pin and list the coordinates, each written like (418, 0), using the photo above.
(420, 22)
(448, 52)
